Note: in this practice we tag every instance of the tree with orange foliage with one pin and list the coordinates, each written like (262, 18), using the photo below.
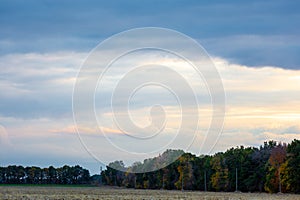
(277, 158)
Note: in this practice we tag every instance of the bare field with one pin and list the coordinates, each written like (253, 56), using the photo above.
(66, 193)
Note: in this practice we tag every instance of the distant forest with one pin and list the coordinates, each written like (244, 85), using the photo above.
(35, 175)
(273, 167)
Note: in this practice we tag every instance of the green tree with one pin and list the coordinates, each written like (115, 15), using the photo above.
(219, 179)
(292, 179)
(185, 169)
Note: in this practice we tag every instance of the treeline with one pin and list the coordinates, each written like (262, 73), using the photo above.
(36, 175)
(273, 167)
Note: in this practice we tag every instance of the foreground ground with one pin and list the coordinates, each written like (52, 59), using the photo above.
(66, 193)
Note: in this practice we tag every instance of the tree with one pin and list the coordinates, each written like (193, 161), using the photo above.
(292, 179)
(276, 159)
(52, 175)
(185, 169)
(113, 174)
(219, 179)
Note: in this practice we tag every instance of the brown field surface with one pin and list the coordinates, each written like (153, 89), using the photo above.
(66, 193)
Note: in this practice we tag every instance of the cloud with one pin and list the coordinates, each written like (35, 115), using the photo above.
(253, 33)
(38, 85)
(36, 97)
(74, 129)
(255, 50)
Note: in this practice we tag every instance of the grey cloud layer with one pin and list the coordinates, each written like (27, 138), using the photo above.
(227, 29)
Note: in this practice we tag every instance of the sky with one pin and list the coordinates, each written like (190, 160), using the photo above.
(254, 45)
